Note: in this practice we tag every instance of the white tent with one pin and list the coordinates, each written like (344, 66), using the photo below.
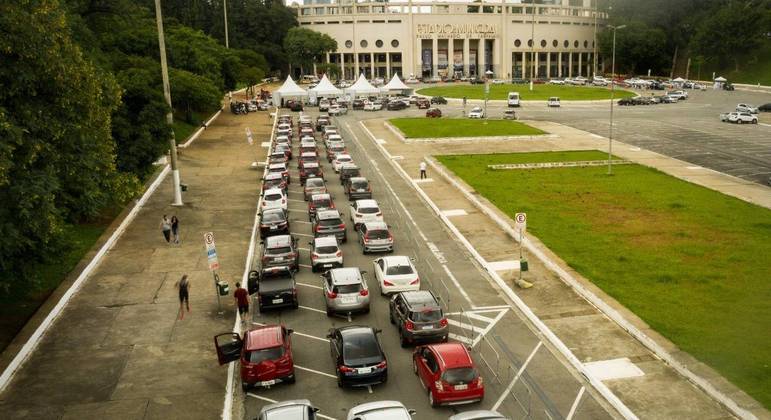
(679, 80)
(395, 84)
(326, 88)
(721, 79)
(288, 90)
(362, 87)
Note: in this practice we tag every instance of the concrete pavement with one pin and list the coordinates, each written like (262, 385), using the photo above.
(118, 350)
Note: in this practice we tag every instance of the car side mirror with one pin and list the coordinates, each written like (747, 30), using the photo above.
(412, 259)
(412, 411)
(378, 330)
(310, 243)
(363, 271)
(315, 409)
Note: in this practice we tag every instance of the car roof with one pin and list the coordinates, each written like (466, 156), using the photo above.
(420, 299)
(452, 355)
(328, 214)
(375, 225)
(274, 175)
(273, 210)
(323, 196)
(325, 241)
(356, 330)
(478, 415)
(342, 155)
(358, 179)
(380, 410)
(274, 191)
(366, 203)
(349, 165)
(264, 337)
(397, 260)
(277, 165)
(291, 409)
(346, 275)
(311, 165)
(278, 241)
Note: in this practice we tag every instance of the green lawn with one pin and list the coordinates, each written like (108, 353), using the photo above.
(540, 92)
(693, 263)
(461, 127)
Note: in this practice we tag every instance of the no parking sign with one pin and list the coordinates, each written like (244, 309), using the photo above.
(520, 219)
(211, 251)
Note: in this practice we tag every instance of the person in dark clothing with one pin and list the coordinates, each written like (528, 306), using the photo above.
(184, 295)
(175, 229)
(242, 301)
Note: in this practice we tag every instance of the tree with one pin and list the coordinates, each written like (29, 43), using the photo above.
(57, 156)
(304, 46)
(332, 71)
(639, 47)
(191, 92)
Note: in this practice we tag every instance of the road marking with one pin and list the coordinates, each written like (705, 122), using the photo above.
(473, 328)
(301, 211)
(301, 221)
(422, 181)
(573, 408)
(304, 249)
(295, 199)
(265, 144)
(767, 125)
(310, 336)
(454, 212)
(488, 328)
(259, 397)
(621, 368)
(457, 284)
(302, 234)
(479, 317)
(316, 372)
(460, 338)
(397, 157)
(516, 377)
(313, 286)
(369, 388)
(308, 308)
(435, 250)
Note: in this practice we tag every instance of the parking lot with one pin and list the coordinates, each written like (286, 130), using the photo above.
(523, 377)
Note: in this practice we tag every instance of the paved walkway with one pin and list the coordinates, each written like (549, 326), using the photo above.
(592, 337)
(118, 350)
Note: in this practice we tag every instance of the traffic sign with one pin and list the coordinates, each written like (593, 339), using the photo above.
(211, 251)
(521, 221)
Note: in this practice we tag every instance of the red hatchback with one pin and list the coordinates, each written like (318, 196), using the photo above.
(449, 374)
(265, 354)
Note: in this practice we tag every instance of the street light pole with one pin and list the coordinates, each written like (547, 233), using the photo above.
(169, 115)
(227, 41)
(532, 43)
(612, 95)
(594, 43)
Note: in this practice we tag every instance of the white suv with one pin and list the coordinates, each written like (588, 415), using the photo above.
(274, 198)
(746, 108)
(365, 211)
(742, 117)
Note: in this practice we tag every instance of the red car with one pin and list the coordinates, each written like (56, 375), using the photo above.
(434, 113)
(265, 354)
(423, 103)
(449, 374)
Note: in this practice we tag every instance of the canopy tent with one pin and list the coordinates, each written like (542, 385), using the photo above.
(679, 80)
(288, 90)
(362, 87)
(721, 79)
(395, 84)
(326, 88)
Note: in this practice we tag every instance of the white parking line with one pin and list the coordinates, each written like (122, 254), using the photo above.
(310, 285)
(304, 266)
(259, 397)
(308, 308)
(461, 338)
(516, 377)
(302, 221)
(295, 199)
(457, 284)
(316, 372)
(304, 249)
(302, 234)
(767, 125)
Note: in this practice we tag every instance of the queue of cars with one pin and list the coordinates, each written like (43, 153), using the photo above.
(744, 114)
(446, 369)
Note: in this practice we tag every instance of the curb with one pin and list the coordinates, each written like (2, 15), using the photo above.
(398, 133)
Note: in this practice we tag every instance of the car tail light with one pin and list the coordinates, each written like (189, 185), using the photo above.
(339, 254)
(318, 228)
(416, 281)
(341, 225)
(364, 292)
(344, 369)
(443, 322)
(480, 381)
(439, 386)
(366, 238)
(379, 213)
(292, 255)
(390, 237)
(314, 256)
(409, 325)
(387, 283)
(382, 365)
(265, 259)
(331, 295)
(283, 201)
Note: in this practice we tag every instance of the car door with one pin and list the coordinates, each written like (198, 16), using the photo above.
(424, 363)
(335, 347)
(379, 269)
(228, 347)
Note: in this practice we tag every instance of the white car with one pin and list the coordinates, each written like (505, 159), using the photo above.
(380, 410)
(679, 94)
(742, 117)
(340, 159)
(556, 82)
(600, 81)
(325, 253)
(498, 81)
(411, 80)
(396, 273)
(746, 108)
(580, 81)
(554, 101)
(324, 105)
(274, 198)
(476, 112)
(373, 106)
(365, 211)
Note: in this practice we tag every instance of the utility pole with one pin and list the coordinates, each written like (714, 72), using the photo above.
(532, 44)
(612, 92)
(169, 116)
(227, 41)
(594, 44)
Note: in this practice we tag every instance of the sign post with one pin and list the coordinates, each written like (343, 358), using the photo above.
(520, 221)
(214, 265)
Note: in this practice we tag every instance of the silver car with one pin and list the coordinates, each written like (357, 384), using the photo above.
(479, 415)
(345, 291)
(314, 186)
(380, 410)
(375, 237)
(289, 410)
(325, 253)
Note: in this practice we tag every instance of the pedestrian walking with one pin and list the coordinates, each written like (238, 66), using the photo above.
(422, 170)
(175, 229)
(184, 295)
(166, 228)
(241, 297)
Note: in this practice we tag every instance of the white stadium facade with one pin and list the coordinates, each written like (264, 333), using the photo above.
(455, 39)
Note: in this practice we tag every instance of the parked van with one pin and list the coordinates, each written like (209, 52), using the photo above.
(513, 99)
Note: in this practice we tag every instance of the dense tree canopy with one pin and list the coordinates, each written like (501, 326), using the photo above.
(304, 46)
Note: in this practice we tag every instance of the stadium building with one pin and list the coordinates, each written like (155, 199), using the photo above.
(455, 39)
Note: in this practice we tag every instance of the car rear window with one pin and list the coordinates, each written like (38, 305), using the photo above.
(361, 350)
(273, 197)
(359, 184)
(271, 353)
(314, 182)
(322, 203)
(398, 270)
(430, 315)
(378, 234)
(279, 250)
(459, 375)
(347, 288)
(330, 222)
(368, 210)
(272, 217)
(326, 249)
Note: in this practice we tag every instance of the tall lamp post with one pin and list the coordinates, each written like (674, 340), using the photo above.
(532, 43)
(169, 116)
(227, 41)
(489, 75)
(612, 94)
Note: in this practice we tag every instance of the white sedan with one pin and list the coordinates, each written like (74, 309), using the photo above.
(476, 112)
(365, 211)
(396, 274)
(340, 159)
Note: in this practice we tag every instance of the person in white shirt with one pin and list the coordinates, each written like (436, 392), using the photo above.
(422, 170)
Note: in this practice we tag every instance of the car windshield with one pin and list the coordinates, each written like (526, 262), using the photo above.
(273, 197)
(359, 184)
(377, 234)
(399, 270)
(330, 222)
(323, 203)
(361, 350)
(347, 288)
(314, 182)
(273, 217)
(427, 315)
(459, 375)
(272, 353)
(279, 250)
(331, 249)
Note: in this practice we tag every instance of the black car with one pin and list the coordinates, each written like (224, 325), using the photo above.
(273, 222)
(358, 188)
(626, 102)
(419, 317)
(357, 355)
(477, 81)
(396, 106)
(275, 288)
(728, 86)
(765, 108)
(438, 100)
(518, 81)
(357, 104)
(295, 106)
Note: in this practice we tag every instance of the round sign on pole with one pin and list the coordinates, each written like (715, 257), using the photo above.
(520, 218)
(208, 238)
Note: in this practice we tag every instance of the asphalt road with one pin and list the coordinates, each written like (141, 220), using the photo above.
(501, 341)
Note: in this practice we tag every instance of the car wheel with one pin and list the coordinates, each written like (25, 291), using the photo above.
(754, 121)
(390, 314)
(738, 121)
(431, 399)
(339, 380)
(330, 312)
(291, 379)
(296, 305)
(244, 386)
(414, 366)
(402, 339)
